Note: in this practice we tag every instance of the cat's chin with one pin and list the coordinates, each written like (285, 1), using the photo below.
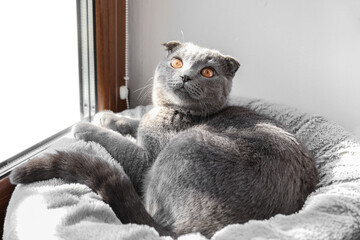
(184, 94)
(188, 110)
(181, 100)
(192, 108)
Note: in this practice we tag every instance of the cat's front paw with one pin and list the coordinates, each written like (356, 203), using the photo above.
(120, 124)
(97, 118)
(85, 131)
(108, 120)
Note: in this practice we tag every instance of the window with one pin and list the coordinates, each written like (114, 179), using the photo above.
(45, 48)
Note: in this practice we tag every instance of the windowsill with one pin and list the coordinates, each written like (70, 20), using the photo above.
(58, 140)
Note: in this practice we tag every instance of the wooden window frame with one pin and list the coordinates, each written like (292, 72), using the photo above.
(110, 53)
(6, 189)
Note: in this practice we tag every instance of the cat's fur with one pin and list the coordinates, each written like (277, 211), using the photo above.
(198, 164)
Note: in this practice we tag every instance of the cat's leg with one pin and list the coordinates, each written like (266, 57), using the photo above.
(103, 176)
(134, 159)
(197, 170)
(120, 124)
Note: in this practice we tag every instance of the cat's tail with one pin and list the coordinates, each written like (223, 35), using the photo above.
(106, 178)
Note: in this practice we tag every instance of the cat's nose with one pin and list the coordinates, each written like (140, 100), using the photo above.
(185, 78)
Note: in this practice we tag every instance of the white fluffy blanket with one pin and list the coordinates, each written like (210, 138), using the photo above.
(55, 210)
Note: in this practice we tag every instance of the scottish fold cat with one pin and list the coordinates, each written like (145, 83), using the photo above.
(198, 164)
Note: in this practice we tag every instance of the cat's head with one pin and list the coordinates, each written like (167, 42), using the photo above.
(193, 79)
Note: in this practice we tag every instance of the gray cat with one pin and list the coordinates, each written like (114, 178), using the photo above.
(198, 164)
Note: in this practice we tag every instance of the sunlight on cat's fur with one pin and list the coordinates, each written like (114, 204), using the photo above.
(198, 164)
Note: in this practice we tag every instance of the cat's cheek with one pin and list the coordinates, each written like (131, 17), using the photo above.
(174, 84)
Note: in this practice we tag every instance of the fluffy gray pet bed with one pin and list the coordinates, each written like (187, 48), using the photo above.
(56, 210)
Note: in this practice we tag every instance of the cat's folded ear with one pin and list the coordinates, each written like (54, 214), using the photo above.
(233, 65)
(171, 46)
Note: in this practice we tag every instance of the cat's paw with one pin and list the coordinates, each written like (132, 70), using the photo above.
(84, 131)
(97, 118)
(118, 124)
(108, 120)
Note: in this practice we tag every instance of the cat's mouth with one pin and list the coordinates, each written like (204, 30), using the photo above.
(181, 89)
(192, 91)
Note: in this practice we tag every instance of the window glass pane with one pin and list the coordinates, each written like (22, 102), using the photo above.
(39, 93)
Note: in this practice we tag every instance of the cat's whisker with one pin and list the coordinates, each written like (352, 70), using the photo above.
(144, 100)
(143, 96)
(173, 84)
(142, 88)
(152, 78)
(145, 88)
(145, 92)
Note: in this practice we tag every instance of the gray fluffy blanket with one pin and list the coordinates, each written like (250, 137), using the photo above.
(56, 210)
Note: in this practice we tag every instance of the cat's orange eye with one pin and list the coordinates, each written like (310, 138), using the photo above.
(176, 63)
(207, 72)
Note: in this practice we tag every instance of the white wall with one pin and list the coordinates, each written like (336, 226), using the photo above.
(303, 53)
